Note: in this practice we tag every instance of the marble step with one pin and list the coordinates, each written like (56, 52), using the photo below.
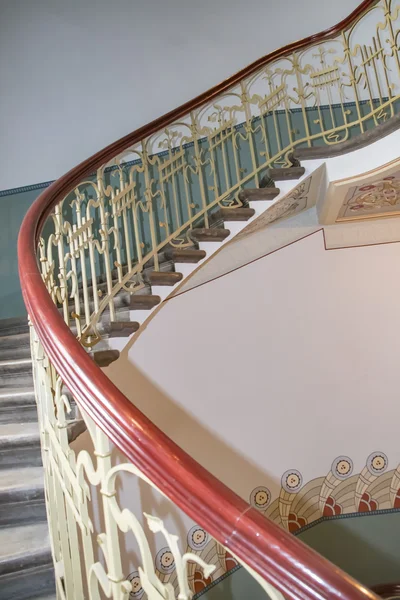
(15, 346)
(26, 567)
(210, 234)
(14, 326)
(163, 278)
(185, 255)
(16, 372)
(17, 405)
(19, 445)
(286, 173)
(30, 584)
(255, 194)
(22, 496)
(20, 442)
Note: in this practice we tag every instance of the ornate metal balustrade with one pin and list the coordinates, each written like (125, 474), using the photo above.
(90, 564)
(123, 211)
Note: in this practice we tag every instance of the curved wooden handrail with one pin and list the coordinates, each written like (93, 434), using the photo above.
(278, 557)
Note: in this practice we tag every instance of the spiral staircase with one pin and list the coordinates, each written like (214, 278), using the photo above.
(99, 252)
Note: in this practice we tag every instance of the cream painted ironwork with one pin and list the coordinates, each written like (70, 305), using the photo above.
(123, 219)
(87, 553)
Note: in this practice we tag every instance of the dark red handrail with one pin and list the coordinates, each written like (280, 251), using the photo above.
(281, 559)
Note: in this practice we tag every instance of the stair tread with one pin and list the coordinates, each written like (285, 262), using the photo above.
(23, 544)
(123, 328)
(144, 301)
(19, 392)
(168, 278)
(286, 173)
(103, 358)
(20, 479)
(17, 404)
(18, 324)
(16, 338)
(212, 234)
(15, 362)
(19, 433)
(237, 214)
(255, 194)
(15, 346)
(186, 255)
(22, 539)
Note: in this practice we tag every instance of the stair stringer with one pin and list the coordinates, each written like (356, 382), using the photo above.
(264, 240)
(212, 249)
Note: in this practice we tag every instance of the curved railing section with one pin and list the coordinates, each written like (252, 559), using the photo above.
(92, 236)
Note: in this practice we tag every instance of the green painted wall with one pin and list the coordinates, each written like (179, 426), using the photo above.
(13, 207)
(366, 546)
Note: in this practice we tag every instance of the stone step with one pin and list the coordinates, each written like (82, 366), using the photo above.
(26, 567)
(255, 194)
(163, 278)
(144, 301)
(17, 405)
(185, 255)
(123, 328)
(286, 174)
(14, 326)
(104, 358)
(15, 346)
(214, 234)
(16, 372)
(29, 584)
(22, 496)
(236, 214)
(19, 445)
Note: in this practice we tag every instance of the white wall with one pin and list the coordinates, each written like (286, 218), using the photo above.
(76, 75)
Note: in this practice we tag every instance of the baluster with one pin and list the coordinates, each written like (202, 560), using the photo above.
(199, 170)
(62, 276)
(249, 130)
(105, 245)
(115, 211)
(149, 205)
